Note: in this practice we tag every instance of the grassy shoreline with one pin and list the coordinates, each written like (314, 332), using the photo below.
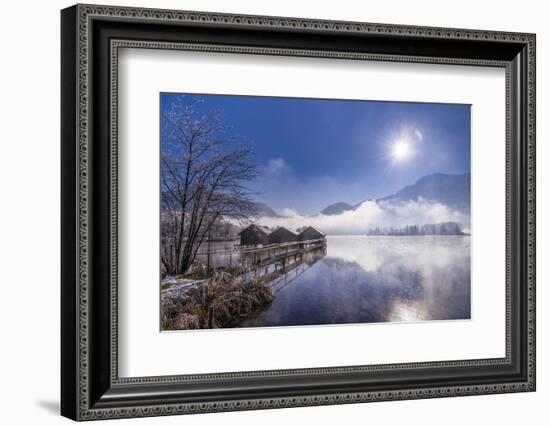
(221, 301)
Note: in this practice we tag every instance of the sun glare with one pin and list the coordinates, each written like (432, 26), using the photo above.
(401, 151)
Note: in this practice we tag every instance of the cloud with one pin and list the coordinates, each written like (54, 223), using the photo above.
(276, 165)
(289, 212)
(418, 135)
(372, 214)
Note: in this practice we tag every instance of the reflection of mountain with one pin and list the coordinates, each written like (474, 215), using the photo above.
(342, 265)
(452, 191)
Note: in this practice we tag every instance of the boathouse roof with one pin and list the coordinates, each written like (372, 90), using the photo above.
(310, 233)
(282, 235)
(254, 235)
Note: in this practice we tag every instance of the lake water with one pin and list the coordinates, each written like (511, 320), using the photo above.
(374, 279)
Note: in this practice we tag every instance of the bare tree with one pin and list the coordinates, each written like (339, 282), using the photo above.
(204, 174)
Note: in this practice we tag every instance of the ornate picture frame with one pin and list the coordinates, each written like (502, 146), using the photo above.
(91, 37)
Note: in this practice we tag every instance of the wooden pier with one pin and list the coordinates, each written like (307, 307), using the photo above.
(278, 253)
(277, 264)
(262, 260)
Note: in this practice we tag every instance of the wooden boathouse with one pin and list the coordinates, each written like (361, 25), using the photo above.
(282, 249)
(310, 233)
(282, 235)
(264, 252)
(254, 235)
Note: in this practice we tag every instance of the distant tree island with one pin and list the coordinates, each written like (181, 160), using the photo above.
(444, 228)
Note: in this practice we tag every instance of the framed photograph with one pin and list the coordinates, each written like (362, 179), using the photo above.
(263, 212)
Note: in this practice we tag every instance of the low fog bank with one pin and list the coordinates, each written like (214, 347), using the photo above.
(373, 214)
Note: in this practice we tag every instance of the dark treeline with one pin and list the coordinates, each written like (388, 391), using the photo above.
(445, 228)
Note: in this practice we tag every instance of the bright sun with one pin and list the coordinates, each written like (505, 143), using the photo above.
(401, 151)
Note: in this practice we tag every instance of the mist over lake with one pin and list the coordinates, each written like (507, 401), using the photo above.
(376, 279)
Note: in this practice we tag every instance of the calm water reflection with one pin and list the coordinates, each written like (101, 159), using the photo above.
(376, 279)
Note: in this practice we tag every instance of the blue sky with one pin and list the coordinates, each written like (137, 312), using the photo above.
(313, 152)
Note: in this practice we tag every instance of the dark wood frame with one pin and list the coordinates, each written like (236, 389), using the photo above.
(91, 37)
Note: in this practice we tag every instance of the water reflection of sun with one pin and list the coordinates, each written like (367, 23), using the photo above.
(408, 311)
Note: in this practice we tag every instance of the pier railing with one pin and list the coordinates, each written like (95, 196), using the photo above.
(260, 255)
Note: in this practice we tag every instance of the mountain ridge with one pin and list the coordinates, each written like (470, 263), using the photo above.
(262, 209)
(337, 208)
(452, 190)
